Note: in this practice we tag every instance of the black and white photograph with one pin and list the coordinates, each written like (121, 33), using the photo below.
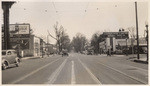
(68, 42)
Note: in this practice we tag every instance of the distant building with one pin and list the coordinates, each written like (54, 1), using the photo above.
(113, 40)
(22, 40)
(34, 47)
(119, 42)
(19, 35)
(51, 49)
(42, 47)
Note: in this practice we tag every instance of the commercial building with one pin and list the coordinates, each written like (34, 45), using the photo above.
(113, 41)
(22, 40)
(120, 43)
(51, 49)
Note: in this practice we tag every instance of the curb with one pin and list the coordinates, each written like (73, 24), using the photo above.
(26, 58)
(140, 61)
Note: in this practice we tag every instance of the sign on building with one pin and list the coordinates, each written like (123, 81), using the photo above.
(19, 35)
(19, 30)
(117, 35)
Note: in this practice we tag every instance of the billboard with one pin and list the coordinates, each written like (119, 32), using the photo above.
(117, 35)
(19, 28)
(19, 35)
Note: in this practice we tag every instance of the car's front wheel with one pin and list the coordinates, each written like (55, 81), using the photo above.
(4, 65)
(17, 65)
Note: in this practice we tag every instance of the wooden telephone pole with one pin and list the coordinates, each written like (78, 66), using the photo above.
(137, 33)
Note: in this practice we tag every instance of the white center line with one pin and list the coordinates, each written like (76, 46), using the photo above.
(55, 74)
(73, 79)
(33, 72)
(91, 74)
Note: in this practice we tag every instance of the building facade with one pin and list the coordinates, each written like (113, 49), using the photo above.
(113, 41)
(120, 43)
(22, 41)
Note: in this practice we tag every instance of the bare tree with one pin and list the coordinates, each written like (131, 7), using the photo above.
(61, 37)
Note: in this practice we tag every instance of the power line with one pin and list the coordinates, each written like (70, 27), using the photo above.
(54, 6)
(56, 12)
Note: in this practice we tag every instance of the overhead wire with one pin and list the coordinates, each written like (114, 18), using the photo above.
(57, 13)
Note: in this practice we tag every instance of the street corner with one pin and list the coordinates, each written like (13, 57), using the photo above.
(140, 61)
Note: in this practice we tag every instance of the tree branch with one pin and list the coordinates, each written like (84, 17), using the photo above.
(52, 36)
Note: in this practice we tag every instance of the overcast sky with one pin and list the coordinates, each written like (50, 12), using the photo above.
(83, 17)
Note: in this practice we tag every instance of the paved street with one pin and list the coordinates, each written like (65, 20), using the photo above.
(77, 69)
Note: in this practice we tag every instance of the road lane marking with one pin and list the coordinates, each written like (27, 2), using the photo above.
(55, 74)
(139, 68)
(33, 72)
(123, 73)
(91, 74)
(73, 79)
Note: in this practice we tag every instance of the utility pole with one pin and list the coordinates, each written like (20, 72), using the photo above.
(6, 5)
(47, 46)
(137, 33)
(147, 39)
(126, 47)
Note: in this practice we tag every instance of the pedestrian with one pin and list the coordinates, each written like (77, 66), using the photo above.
(107, 52)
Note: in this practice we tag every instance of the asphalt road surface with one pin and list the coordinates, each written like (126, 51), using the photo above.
(77, 69)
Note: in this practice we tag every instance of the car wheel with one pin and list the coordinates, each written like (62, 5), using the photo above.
(4, 65)
(19, 60)
(17, 65)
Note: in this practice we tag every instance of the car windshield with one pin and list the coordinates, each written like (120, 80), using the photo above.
(3, 53)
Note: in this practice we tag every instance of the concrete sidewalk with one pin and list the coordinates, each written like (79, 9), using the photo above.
(35, 57)
(142, 58)
(133, 57)
(32, 57)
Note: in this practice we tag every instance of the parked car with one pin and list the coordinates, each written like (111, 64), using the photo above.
(65, 53)
(9, 57)
(90, 53)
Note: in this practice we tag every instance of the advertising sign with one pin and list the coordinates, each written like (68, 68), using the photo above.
(117, 35)
(19, 35)
(19, 28)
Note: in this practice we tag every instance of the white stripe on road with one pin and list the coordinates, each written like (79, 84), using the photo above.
(91, 74)
(137, 79)
(73, 79)
(139, 68)
(55, 74)
(33, 72)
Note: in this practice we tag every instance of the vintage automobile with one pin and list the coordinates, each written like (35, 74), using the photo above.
(65, 53)
(9, 57)
(90, 52)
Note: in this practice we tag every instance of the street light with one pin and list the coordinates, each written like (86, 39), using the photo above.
(146, 25)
